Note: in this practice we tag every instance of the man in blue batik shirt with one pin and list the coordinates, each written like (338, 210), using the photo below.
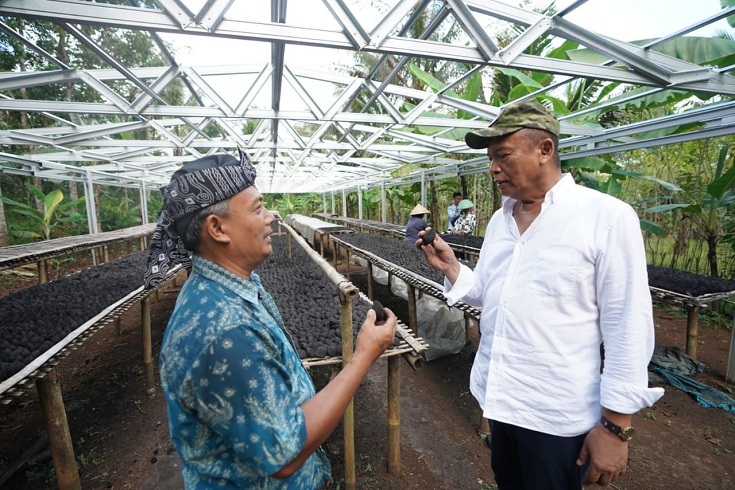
(242, 410)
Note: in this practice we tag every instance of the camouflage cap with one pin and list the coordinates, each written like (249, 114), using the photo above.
(511, 119)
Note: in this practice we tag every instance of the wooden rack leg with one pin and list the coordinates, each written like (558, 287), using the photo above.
(349, 416)
(730, 374)
(150, 383)
(692, 330)
(412, 315)
(105, 254)
(394, 416)
(288, 246)
(483, 428)
(347, 265)
(57, 428)
(42, 272)
(370, 280)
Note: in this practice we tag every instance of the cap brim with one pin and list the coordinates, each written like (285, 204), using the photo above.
(476, 141)
(481, 139)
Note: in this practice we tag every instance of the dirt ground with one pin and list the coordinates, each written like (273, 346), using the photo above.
(121, 438)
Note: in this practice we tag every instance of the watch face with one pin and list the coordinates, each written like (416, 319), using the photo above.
(627, 433)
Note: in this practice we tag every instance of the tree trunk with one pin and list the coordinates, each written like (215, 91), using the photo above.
(438, 217)
(3, 224)
(73, 191)
(712, 255)
(463, 183)
(96, 198)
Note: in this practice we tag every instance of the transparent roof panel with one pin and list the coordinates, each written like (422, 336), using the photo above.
(331, 94)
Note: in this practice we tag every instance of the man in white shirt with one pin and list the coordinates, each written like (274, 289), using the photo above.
(561, 271)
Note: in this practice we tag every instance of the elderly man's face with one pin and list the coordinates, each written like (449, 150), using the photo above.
(515, 165)
(249, 225)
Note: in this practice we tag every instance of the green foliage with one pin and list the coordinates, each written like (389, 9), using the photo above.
(699, 50)
(117, 210)
(709, 207)
(53, 215)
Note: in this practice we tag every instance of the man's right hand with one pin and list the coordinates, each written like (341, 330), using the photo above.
(440, 256)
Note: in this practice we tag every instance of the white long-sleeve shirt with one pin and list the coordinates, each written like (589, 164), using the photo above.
(575, 279)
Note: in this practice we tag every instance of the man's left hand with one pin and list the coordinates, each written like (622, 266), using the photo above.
(606, 454)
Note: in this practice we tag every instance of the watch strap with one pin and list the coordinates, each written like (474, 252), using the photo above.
(625, 434)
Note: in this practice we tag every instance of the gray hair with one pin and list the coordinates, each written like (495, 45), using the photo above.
(191, 237)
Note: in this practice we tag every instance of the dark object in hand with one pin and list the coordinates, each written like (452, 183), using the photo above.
(380, 316)
(429, 236)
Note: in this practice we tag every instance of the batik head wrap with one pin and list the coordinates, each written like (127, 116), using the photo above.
(196, 185)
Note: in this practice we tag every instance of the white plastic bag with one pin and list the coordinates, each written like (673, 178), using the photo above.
(399, 287)
(380, 276)
(358, 261)
(441, 327)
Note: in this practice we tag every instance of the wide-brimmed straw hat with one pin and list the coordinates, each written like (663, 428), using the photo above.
(419, 209)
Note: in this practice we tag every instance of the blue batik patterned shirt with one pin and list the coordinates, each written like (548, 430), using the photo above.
(234, 385)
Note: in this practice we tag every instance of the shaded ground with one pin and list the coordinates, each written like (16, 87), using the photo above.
(121, 439)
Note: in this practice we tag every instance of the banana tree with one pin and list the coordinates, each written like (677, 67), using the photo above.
(709, 209)
(54, 213)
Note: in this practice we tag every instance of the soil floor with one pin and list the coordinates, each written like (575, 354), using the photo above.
(121, 439)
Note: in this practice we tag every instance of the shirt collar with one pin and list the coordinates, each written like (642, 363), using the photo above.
(560, 189)
(244, 288)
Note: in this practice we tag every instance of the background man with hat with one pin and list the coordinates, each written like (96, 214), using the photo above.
(561, 271)
(242, 410)
(452, 210)
(416, 222)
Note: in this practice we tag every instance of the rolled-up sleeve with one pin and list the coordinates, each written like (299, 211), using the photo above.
(626, 318)
(465, 288)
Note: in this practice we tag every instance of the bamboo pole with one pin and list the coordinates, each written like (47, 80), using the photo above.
(394, 416)
(150, 383)
(413, 360)
(347, 264)
(42, 272)
(730, 374)
(347, 293)
(412, 316)
(288, 246)
(105, 254)
(57, 428)
(370, 280)
(349, 416)
(692, 330)
(345, 287)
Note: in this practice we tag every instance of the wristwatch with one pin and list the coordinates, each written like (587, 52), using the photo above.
(624, 433)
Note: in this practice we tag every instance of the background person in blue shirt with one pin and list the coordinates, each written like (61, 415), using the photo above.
(242, 410)
(452, 210)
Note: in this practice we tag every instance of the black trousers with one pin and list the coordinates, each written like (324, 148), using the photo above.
(524, 459)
